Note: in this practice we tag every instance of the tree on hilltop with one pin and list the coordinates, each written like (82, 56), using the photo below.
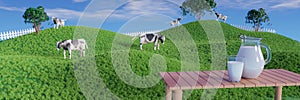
(197, 8)
(257, 17)
(35, 16)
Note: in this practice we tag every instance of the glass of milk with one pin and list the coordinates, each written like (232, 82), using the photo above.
(235, 66)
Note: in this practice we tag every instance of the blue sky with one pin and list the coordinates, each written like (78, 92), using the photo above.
(143, 15)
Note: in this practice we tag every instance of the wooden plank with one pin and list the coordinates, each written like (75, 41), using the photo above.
(170, 82)
(287, 80)
(289, 75)
(243, 81)
(192, 83)
(274, 79)
(225, 80)
(260, 81)
(293, 73)
(266, 78)
(263, 80)
(200, 81)
(256, 82)
(204, 77)
(236, 84)
(196, 78)
(179, 81)
(247, 83)
(214, 80)
(278, 77)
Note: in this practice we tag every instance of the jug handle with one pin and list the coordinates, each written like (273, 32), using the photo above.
(269, 55)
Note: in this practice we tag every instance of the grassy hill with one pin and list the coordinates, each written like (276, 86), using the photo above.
(114, 67)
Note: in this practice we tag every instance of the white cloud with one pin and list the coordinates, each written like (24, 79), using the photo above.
(79, 1)
(127, 9)
(144, 7)
(12, 8)
(255, 4)
(122, 11)
(63, 13)
(242, 4)
(290, 4)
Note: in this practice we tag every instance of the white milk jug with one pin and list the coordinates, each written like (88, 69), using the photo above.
(254, 60)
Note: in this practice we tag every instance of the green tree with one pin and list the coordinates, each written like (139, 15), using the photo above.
(197, 8)
(257, 18)
(35, 16)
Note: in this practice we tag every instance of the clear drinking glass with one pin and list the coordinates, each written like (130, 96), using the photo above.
(235, 66)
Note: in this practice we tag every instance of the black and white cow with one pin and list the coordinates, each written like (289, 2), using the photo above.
(58, 22)
(175, 22)
(70, 45)
(150, 38)
(220, 16)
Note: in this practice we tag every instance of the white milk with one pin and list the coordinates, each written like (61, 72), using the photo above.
(235, 69)
(254, 61)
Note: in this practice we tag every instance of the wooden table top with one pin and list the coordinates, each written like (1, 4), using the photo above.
(219, 79)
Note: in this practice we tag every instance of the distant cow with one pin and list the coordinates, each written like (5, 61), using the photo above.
(70, 45)
(175, 22)
(220, 16)
(58, 22)
(150, 38)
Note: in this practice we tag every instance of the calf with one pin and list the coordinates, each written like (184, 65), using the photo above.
(220, 16)
(150, 38)
(175, 22)
(58, 22)
(70, 45)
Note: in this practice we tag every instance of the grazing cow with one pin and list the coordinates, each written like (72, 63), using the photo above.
(70, 45)
(220, 16)
(175, 22)
(150, 38)
(58, 22)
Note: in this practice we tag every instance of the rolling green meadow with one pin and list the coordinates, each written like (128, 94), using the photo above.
(32, 68)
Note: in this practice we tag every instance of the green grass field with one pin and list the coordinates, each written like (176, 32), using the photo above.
(115, 68)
